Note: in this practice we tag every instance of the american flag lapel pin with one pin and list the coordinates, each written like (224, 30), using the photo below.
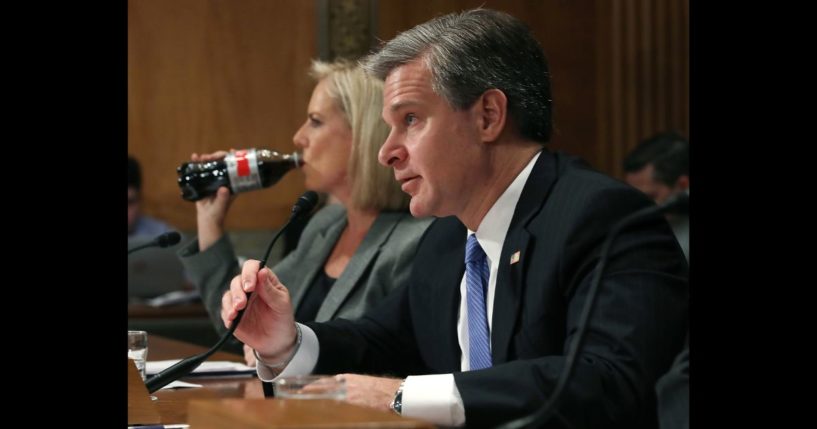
(515, 257)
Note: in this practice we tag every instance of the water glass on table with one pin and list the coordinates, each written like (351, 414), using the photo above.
(310, 387)
(138, 350)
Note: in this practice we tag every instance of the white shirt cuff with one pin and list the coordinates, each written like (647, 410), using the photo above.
(304, 361)
(434, 398)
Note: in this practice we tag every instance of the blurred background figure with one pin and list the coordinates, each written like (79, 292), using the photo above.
(659, 167)
(153, 271)
(138, 223)
(351, 253)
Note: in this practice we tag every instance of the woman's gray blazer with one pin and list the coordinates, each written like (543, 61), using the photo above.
(381, 264)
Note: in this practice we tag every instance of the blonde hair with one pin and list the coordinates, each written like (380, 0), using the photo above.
(360, 97)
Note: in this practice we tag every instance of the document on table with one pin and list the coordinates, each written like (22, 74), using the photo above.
(206, 369)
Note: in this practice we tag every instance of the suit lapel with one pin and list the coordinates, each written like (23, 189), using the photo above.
(364, 256)
(319, 250)
(441, 278)
(510, 282)
(508, 293)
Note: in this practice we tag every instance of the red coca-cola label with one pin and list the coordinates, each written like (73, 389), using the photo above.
(243, 163)
(242, 167)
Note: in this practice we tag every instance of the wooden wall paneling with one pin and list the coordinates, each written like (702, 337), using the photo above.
(642, 74)
(210, 75)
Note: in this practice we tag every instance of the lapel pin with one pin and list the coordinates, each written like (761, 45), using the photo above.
(515, 257)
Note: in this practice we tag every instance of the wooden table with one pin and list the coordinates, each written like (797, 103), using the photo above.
(172, 403)
(228, 403)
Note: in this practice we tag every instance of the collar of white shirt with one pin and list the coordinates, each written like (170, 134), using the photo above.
(494, 226)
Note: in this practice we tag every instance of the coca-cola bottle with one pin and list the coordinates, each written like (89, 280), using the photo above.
(240, 171)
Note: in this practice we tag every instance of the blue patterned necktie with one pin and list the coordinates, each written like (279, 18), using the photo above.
(476, 285)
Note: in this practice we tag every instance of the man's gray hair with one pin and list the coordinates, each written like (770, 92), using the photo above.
(471, 52)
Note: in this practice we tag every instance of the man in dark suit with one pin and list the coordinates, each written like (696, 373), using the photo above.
(478, 336)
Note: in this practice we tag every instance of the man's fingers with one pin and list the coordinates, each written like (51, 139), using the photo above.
(270, 289)
(249, 274)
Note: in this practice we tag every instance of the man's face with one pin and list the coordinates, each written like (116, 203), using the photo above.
(434, 149)
(133, 207)
(644, 181)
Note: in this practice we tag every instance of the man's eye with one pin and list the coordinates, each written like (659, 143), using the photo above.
(410, 119)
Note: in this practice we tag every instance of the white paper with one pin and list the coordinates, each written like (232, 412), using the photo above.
(206, 368)
(178, 384)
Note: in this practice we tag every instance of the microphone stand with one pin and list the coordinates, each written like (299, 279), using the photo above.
(185, 366)
(679, 202)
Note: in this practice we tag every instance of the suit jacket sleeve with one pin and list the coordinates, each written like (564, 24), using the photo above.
(379, 343)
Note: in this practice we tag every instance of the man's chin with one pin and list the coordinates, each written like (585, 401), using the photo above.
(418, 208)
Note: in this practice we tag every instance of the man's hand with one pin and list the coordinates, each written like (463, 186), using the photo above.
(268, 325)
(374, 392)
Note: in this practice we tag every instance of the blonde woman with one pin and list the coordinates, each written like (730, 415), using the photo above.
(351, 254)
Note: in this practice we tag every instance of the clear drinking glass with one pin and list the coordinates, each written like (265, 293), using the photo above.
(310, 387)
(138, 350)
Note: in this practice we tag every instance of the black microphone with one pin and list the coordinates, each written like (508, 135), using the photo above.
(678, 203)
(165, 240)
(304, 205)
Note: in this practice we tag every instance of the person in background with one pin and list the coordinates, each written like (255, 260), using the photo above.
(659, 167)
(352, 254)
(138, 223)
(478, 334)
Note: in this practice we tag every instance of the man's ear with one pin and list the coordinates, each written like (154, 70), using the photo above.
(491, 110)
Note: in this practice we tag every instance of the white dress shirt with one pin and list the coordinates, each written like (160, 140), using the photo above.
(435, 398)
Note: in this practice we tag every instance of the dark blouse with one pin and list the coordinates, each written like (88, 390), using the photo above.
(314, 297)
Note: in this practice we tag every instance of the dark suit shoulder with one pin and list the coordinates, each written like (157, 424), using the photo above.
(575, 170)
(444, 236)
(584, 192)
(443, 230)
(585, 204)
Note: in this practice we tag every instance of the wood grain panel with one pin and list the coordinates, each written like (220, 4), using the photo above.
(293, 414)
(209, 75)
(642, 75)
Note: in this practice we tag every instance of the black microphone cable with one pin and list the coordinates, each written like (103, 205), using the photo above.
(165, 240)
(304, 205)
(676, 203)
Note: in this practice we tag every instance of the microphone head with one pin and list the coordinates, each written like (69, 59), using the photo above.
(305, 203)
(168, 239)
